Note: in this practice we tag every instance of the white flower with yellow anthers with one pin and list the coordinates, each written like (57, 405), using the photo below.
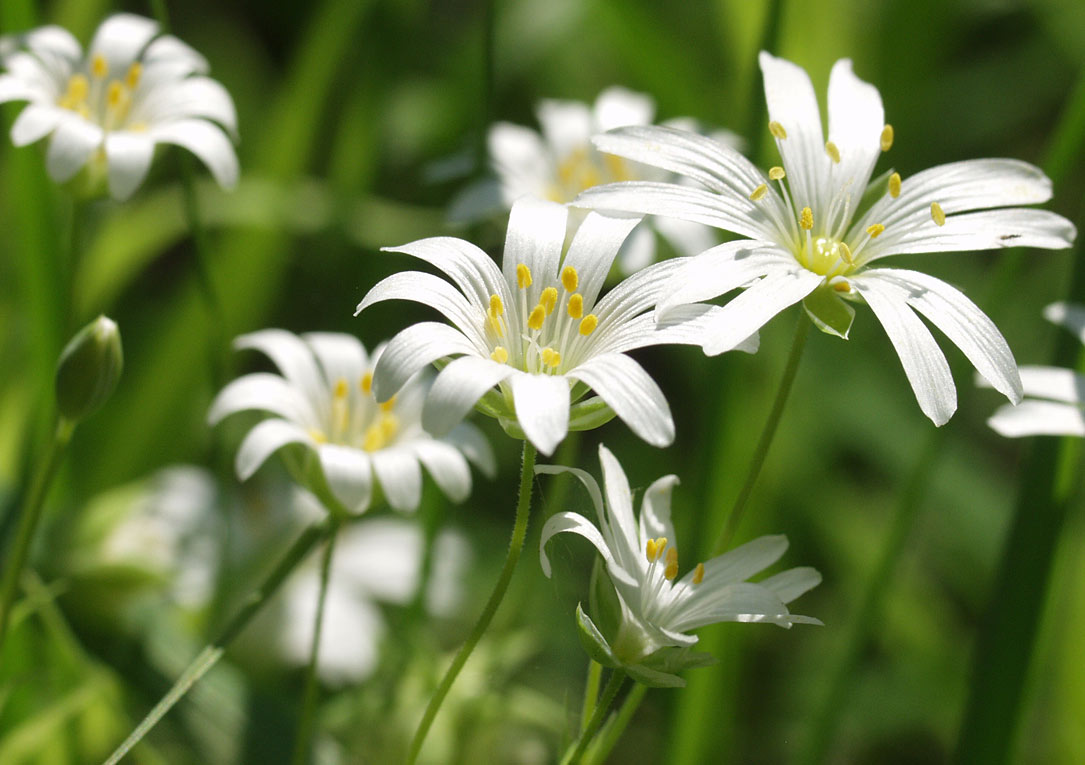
(1055, 403)
(658, 608)
(106, 110)
(535, 329)
(561, 162)
(324, 401)
(818, 226)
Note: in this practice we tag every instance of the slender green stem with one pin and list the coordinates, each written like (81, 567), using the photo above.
(210, 655)
(591, 692)
(516, 546)
(802, 330)
(28, 521)
(614, 684)
(613, 732)
(308, 706)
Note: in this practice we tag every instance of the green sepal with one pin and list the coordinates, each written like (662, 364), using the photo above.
(829, 313)
(587, 415)
(493, 404)
(653, 678)
(603, 599)
(593, 641)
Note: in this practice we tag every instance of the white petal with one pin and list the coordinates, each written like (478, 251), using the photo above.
(856, 121)
(129, 156)
(746, 314)
(73, 143)
(542, 408)
(744, 561)
(347, 471)
(622, 532)
(634, 295)
(264, 440)
(206, 141)
(466, 265)
(476, 202)
(655, 510)
(15, 89)
(535, 237)
(167, 50)
(521, 161)
(685, 325)
(792, 103)
(639, 250)
(120, 39)
(266, 392)
(718, 271)
(413, 349)
(1038, 418)
(1053, 383)
(593, 249)
(400, 477)
(435, 292)
(1067, 315)
(295, 360)
(792, 583)
(192, 97)
(380, 558)
(55, 41)
(35, 122)
(567, 125)
(631, 393)
(447, 466)
(923, 361)
(341, 356)
(617, 107)
(686, 238)
(584, 477)
(964, 324)
(578, 524)
(741, 602)
(457, 388)
(474, 446)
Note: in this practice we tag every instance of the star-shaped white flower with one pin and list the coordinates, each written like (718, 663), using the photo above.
(324, 401)
(658, 608)
(1056, 396)
(108, 108)
(561, 162)
(817, 226)
(536, 329)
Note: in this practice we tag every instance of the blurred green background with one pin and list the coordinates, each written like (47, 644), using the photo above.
(347, 108)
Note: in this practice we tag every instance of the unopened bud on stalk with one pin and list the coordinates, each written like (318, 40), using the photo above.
(88, 369)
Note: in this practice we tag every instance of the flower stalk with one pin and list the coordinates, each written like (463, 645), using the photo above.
(614, 684)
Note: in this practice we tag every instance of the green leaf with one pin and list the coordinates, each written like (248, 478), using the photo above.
(593, 641)
(829, 313)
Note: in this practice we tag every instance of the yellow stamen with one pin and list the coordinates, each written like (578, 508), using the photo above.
(569, 279)
(538, 315)
(367, 383)
(845, 253)
(672, 564)
(115, 94)
(99, 68)
(759, 192)
(776, 173)
(500, 354)
(340, 388)
(650, 551)
(496, 306)
(777, 130)
(588, 324)
(548, 299)
(887, 137)
(698, 574)
(318, 436)
(661, 545)
(576, 306)
(380, 433)
(806, 219)
(894, 185)
(937, 214)
(135, 71)
(875, 231)
(832, 151)
(523, 276)
(550, 357)
(78, 87)
(388, 405)
(842, 286)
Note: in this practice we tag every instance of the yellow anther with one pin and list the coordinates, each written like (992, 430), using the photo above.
(698, 574)
(496, 306)
(777, 130)
(99, 68)
(576, 306)
(661, 545)
(135, 71)
(318, 435)
(380, 434)
(367, 383)
(523, 276)
(832, 151)
(671, 571)
(500, 354)
(672, 555)
(776, 173)
(115, 94)
(388, 405)
(569, 279)
(651, 552)
(340, 388)
(550, 357)
(548, 299)
(538, 315)
(588, 324)
(78, 87)
(806, 219)
(875, 231)
(759, 192)
(887, 137)
(845, 253)
(894, 185)
(938, 215)
(842, 286)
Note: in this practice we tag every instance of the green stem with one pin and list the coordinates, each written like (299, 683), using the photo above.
(802, 330)
(591, 692)
(614, 684)
(28, 521)
(516, 546)
(308, 706)
(210, 655)
(612, 733)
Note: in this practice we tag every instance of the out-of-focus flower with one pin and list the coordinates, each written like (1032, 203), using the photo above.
(106, 109)
(1055, 397)
(818, 223)
(536, 329)
(657, 609)
(323, 400)
(561, 162)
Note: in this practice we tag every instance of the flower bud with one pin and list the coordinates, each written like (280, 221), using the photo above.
(88, 369)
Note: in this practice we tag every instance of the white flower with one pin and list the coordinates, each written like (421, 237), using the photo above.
(816, 236)
(109, 107)
(536, 328)
(323, 401)
(657, 607)
(561, 162)
(1058, 395)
